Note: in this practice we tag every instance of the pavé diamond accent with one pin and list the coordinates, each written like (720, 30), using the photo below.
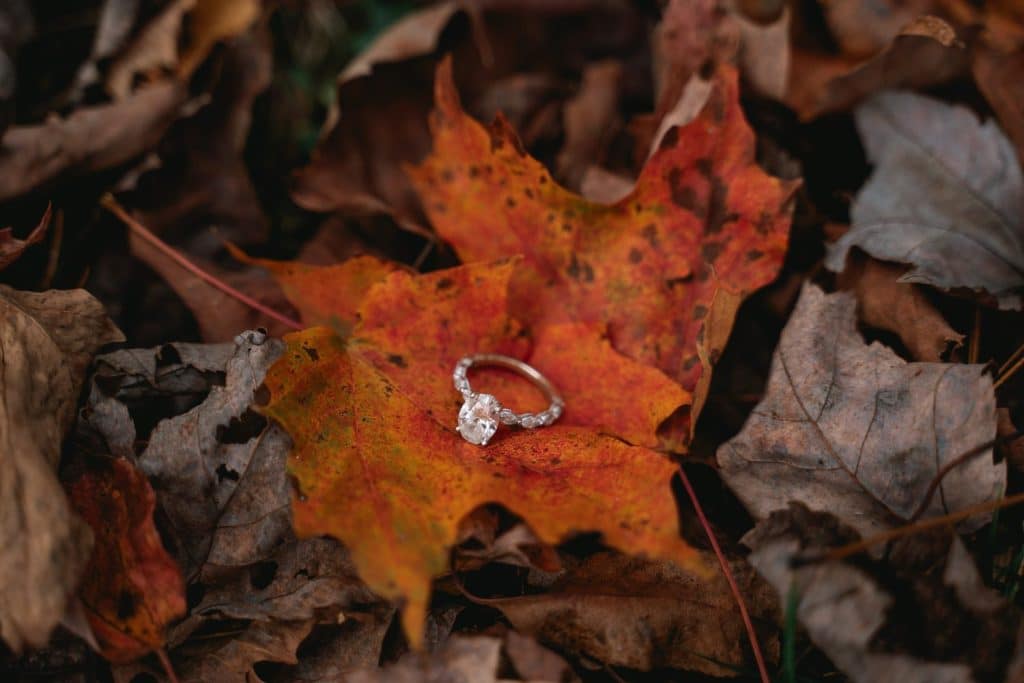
(478, 418)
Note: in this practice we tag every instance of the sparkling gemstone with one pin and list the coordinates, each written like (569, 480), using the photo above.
(478, 418)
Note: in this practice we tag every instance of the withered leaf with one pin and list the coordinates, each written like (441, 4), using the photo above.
(46, 343)
(945, 197)
(899, 307)
(132, 588)
(11, 247)
(90, 139)
(852, 428)
(217, 469)
(943, 625)
(647, 615)
(926, 52)
(227, 657)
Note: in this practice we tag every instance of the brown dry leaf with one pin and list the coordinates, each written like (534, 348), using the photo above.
(202, 192)
(220, 316)
(333, 650)
(229, 657)
(11, 248)
(927, 52)
(461, 659)
(212, 21)
(380, 121)
(864, 27)
(46, 343)
(1000, 77)
(154, 48)
(647, 615)
(852, 428)
(899, 307)
(294, 583)
(91, 139)
(943, 625)
(590, 120)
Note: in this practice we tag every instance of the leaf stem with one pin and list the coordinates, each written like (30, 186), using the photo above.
(751, 634)
(110, 204)
(842, 552)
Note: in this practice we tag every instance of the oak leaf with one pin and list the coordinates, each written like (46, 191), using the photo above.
(131, 588)
(380, 467)
(703, 227)
(854, 429)
(945, 197)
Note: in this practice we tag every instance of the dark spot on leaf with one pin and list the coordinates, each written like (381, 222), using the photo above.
(580, 270)
(700, 336)
(650, 233)
(714, 356)
(754, 254)
(224, 472)
(718, 212)
(262, 574)
(241, 429)
(670, 139)
(699, 311)
(125, 605)
(447, 175)
(396, 359)
(262, 395)
(635, 255)
(509, 202)
(764, 223)
(689, 363)
(682, 196)
(474, 171)
(543, 179)
(313, 354)
(566, 227)
(528, 192)
(707, 69)
(444, 283)
(168, 355)
(676, 281)
(704, 166)
(709, 251)
(439, 207)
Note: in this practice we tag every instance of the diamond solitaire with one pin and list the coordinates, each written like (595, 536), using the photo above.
(481, 413)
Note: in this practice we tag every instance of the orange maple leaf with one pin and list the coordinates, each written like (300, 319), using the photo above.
(663, 270)
(379, 464)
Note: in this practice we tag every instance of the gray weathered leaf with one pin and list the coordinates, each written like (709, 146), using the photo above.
(852, 428)
(946, 196)
(844, 608)
(199, 464)
(46, 343)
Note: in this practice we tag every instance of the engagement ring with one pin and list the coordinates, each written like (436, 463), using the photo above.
(481, 413)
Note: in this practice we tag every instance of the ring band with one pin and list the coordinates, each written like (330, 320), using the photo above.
(481, 413)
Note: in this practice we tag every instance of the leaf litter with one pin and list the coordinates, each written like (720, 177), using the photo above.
(769, 253)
